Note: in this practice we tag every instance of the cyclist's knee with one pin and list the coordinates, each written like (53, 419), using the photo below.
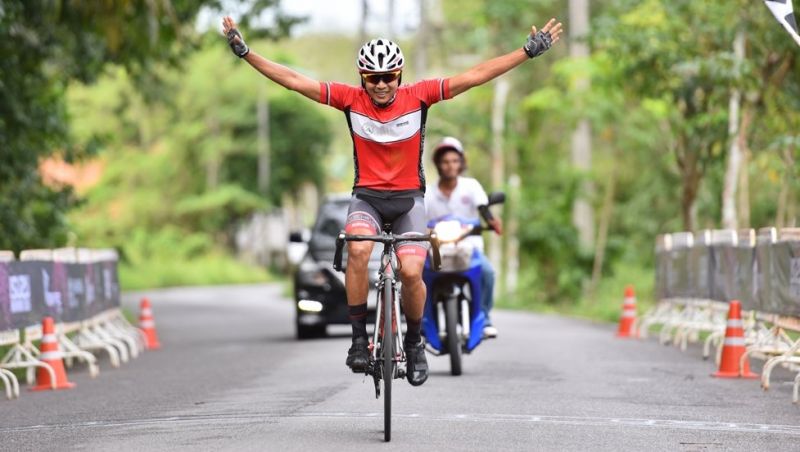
(411, 269)
(358, 253)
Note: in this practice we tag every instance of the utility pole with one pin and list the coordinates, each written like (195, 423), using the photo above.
(582, 213)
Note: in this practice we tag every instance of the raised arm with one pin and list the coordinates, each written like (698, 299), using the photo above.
(538, 42)
(278, 73)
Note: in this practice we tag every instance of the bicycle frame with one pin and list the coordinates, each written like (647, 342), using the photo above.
(387, 276)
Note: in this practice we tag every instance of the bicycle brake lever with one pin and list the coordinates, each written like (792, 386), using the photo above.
(337, 256)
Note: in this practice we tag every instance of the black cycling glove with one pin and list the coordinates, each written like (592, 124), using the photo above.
(239, 48)
(537, 44)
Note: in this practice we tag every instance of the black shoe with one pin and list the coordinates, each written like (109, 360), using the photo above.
(358, 355)
(417, 368)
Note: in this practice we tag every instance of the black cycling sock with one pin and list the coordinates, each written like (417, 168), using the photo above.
(413, 331)
(358, 319)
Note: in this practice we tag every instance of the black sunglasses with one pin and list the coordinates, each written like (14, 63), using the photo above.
(386, 77)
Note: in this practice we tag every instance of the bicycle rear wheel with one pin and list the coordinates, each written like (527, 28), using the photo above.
(388, 360)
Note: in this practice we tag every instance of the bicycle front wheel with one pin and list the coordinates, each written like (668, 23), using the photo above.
(388, 360)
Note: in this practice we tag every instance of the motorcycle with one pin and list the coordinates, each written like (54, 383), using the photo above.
(453, 319)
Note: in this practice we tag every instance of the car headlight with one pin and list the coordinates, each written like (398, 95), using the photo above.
(448, 231)
(309, 305)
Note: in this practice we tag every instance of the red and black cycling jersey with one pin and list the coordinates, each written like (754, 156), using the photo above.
(387, 141)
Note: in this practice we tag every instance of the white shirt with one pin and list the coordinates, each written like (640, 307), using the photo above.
(463, 202)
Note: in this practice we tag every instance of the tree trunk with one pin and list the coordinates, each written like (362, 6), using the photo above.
(421, 52)
(264, 150)
(780, 214)
(690, 182)
(213, 160)
(787, 203)
(602, 233)
(582, 214)
(390, 20)
(729, 215)
(362, 25)
(744, 173)
(512, 208)
(501, 89)
(791, 211)
(744, 191)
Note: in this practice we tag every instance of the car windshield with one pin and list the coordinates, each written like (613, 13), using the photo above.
(330, 221)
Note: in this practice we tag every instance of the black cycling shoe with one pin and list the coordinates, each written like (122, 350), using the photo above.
(358, 355)
(417, 368)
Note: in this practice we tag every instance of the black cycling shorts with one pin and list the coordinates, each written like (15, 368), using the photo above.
(404, 216)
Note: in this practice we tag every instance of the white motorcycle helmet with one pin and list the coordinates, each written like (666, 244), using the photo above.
(449, 144)
(380, 55)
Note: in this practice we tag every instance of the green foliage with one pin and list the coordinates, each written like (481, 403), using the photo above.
(554, 267)
(218, 268)
(661, 78)
(169, 257)
(181, 173)
(213, 210)
(606, 305)
(44, 45)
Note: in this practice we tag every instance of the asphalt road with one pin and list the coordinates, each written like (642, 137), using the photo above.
(231, 376)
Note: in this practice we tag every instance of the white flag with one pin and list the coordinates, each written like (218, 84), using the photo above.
(782, 10)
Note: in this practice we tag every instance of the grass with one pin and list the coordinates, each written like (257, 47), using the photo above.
(205, 270)
(606, 304)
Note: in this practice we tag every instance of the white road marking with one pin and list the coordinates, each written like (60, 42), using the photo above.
(222, 418)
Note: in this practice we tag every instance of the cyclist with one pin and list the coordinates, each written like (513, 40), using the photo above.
(463, 197)
(387, 126)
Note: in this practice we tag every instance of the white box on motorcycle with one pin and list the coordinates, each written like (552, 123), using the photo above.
(456, 257)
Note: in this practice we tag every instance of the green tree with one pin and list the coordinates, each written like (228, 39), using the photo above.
(44, 45)
(161, 155)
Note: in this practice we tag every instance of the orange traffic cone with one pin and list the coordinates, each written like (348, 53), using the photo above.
(733, 347)
(628, 315)
(148, 326)
(51, 355)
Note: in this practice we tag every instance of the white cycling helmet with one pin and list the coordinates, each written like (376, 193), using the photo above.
(380, 55)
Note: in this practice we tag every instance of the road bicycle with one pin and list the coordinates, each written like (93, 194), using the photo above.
(386, 358)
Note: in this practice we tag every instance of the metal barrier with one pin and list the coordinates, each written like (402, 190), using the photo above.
(77, 287)
(698, 274)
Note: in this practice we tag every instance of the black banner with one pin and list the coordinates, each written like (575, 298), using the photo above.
(700, 272)
(785, 277)
(764, 277)
(31, 290)
(724, 272)
(745, 276)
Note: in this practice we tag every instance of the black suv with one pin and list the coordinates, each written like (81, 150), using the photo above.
(319, 293)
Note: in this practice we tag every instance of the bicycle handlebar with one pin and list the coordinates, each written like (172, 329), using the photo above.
(385, 239)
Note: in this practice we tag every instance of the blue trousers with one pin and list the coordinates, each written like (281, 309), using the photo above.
(487, 287)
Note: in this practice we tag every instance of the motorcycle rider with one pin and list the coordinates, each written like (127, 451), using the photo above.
(463, 197)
